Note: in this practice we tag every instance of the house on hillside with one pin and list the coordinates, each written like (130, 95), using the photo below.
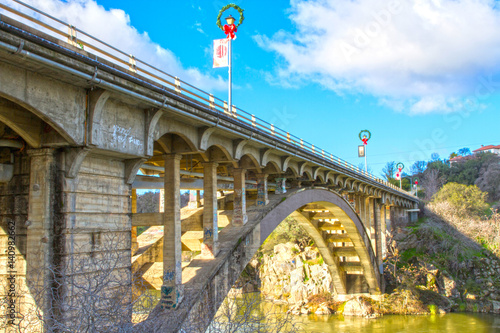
(488, 149)
(459, 159)
(484, 149)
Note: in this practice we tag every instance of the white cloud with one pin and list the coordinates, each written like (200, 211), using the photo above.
(416, 55)
(114, 27)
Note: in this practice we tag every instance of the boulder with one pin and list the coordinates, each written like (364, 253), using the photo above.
(448, 286)
(323, 309)
(495, 306)
(357, 307)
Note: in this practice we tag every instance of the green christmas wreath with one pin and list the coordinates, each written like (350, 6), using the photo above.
(368, 136)
(400, 165)
(226, 7)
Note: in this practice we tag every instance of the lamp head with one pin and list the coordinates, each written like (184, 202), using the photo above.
(230, 20)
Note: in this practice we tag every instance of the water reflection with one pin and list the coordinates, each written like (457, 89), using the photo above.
(453, 322)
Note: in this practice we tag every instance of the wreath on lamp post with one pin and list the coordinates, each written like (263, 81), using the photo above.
(226, 7)
(364, 136)
(400, 166)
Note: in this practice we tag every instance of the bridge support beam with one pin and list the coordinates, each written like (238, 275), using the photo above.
(239, 205)
(262, 195)
(210, 246)
(172, 290)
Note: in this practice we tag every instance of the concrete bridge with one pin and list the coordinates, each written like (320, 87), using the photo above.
(78, 121)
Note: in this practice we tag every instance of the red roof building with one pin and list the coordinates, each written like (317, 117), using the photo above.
(490, 148)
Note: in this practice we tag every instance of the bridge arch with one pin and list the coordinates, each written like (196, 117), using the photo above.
(348, 218)
(29, 122)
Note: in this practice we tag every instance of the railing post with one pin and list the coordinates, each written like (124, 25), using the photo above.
(212, 100)
(253, 121)
(272, 129)
(132, 65)
(177, 85)
(72, 35)
(288, 136)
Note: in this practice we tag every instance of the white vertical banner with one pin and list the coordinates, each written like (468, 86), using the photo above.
(221, 53)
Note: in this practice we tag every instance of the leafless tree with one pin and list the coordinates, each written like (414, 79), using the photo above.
(431, 182)
(389, 170)
(248, 313)
(90, 292)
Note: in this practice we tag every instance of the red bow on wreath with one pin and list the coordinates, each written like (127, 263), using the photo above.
(230, 31)
(365, 141)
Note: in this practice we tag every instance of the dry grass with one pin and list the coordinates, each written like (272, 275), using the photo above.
(483, 230)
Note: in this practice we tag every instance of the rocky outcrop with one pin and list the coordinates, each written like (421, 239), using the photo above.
(292, 275)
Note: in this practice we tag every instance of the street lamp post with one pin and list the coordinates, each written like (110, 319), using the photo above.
(230, 30)
(230, 23)
(364, 136)
(399, 174)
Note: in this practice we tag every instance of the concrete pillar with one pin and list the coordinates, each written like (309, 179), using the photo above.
(383, 226)
(373, 217)
(362, 208)
(239, 204)
(377, 223)
(135, 245)
(262, 196)
(366, 218)
(42, 206)
(280, 186)
(198, 199)
(358, 204)
(172, 290)
(210, 246)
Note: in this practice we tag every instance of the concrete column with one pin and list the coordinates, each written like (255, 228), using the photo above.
(362, 208)
(383, 226)
(358, 204)
(373, 216)
(377, 222)
(42, 205)
(239, 204)
(135, 245)
(366, 218)
(172, 290)
(280, 186)
(210, 246)
(198, 198)
(262, 196)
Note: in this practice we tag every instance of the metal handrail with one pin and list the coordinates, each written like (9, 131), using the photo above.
(155, 74)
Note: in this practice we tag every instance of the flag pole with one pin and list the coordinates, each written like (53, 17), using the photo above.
(229, 99)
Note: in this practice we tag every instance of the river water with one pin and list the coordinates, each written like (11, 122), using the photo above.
(452, 322)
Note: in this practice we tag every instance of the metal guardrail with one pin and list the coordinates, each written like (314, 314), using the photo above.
(81, 39)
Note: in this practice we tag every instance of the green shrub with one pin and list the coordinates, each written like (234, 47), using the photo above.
(465, 200)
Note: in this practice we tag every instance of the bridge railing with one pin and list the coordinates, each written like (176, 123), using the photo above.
(59, 29)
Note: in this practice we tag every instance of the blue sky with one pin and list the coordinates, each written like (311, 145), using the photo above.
(420, 75)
